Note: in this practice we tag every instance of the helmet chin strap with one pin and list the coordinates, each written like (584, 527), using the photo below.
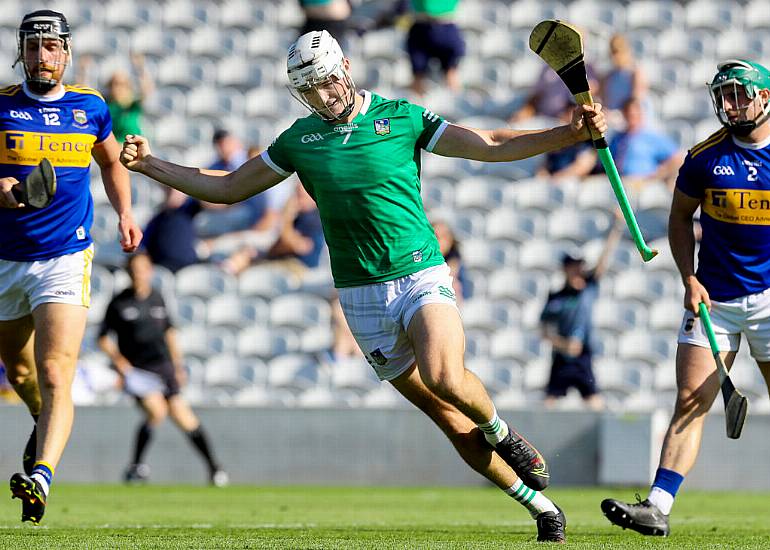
(41, 86)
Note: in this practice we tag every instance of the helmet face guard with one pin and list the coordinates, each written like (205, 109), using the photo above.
(734, 76)
(317, 76)
(35, 34)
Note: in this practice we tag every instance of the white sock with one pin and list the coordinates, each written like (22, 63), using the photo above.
(663, 500)
(43, 482)
(495, 430)
(536, 503)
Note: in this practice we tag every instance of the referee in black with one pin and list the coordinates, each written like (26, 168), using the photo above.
(149, 363)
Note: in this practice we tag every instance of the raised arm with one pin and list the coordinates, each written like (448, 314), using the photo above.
(506, 144)
(208, 185)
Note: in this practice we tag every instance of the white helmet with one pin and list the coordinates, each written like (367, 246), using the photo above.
(313, 60)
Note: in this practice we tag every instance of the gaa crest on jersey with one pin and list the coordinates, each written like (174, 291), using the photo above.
(382, 126)
(80, 116)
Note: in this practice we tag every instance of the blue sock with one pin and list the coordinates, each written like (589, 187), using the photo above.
(43, 473)
(668, 480)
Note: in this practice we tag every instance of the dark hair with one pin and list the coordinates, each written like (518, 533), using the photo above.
(219, 135)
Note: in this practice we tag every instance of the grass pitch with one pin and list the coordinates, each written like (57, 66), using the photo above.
(158, 517)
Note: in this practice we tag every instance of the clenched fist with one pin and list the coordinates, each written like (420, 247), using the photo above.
(136, 151)
(7, 198)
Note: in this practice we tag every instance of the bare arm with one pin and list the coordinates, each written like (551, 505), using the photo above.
(118, 360)
(215, 186)
(682, 241)
(613, 237)
(117, 185)
(639, 85)
(505, 144)
(146, 84)
(173, 348)
(578, 168)
(572, 347)
(669, 168)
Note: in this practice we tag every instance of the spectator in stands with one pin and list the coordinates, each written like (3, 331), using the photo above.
(170, 237)
(450, 249)
(229, 150)
(150, 364)
(576, 161)
(299, 243)
(625, 80)
(124, 98)
(434, 35)
(566, 322)
(250, 220)
(549, 96)
(332, 16)
(641, 153)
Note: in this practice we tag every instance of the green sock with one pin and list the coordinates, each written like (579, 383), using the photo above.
(495, 430)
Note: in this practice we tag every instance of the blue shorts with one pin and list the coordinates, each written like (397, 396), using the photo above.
(571, 372)
(440, 41)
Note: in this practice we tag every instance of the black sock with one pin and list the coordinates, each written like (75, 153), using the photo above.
(143, 437)
(199, 439)
(35, 417)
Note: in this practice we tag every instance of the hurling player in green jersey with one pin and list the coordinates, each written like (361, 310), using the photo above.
(358, 155)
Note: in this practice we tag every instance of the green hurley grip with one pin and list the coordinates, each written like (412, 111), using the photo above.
(617, 186)
(706, 320)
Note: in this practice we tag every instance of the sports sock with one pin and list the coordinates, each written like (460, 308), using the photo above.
(199, 439)
(664, 489)
(35, 417)
(143, 437)
(535, 502)
(495, 430)
(42, 472)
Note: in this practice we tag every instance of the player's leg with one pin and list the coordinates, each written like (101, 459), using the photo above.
(155, 410)
(17, 354)
(469, 442)
(697, 387)
(184, 417)
(58, 331)
(450, 49)
(416, 47)
(436, 334)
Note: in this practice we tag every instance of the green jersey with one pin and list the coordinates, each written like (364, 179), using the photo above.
(365, 177)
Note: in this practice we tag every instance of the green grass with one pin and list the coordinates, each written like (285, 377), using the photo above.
(156, 517)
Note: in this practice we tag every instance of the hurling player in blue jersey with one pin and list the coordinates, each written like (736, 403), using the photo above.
(46, 253)
(728, 177)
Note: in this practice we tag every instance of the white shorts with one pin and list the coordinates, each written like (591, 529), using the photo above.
(26, 285)
(749, 315)
(379, 314)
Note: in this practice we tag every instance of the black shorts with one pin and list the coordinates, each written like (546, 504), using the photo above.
(167, 374)
(441, 41)
(573, 372)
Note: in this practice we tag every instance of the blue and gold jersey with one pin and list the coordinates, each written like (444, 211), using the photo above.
(732, 181)
(62, 129)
